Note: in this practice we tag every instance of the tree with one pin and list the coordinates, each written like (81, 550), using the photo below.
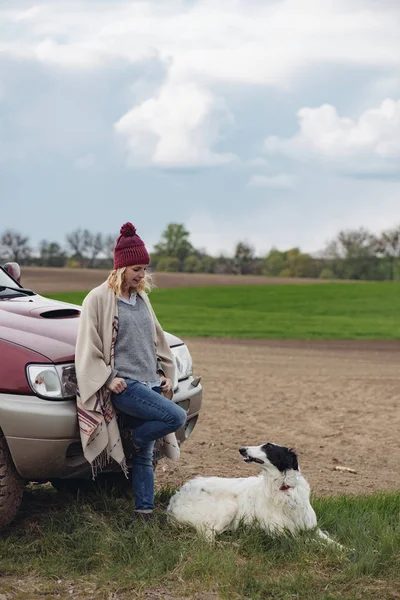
(78, 242)
(355, 242)
(192, 264)
(108, 246)
(275, 262)
(300, 264)
(243, 258)
(94, 245)
(174, 243)
(352, 255)
(168, 263)
(388, 246)
(15, 247)
(224, 265)
(326, 273)
(208, 264)
(85, 244)
(286, 272)
(51, 254)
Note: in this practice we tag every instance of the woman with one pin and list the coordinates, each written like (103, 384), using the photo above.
(124, 363)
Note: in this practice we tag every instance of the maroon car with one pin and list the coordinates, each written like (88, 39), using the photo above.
(39, 435)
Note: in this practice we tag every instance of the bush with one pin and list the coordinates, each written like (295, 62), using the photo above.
(327, 273)
(72, 263)
(168, 263)
(208, 264)
(192, 264)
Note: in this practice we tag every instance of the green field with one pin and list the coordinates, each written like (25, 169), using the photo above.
(88, 548)
(331, 311)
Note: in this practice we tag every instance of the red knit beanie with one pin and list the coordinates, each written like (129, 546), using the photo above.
(129, 249)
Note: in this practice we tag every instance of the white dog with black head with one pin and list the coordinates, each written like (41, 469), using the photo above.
(278, 499)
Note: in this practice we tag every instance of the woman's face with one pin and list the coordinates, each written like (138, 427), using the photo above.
(133, 276)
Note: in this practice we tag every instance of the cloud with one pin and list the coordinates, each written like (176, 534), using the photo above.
(370, 142)
(258, 161)
(176, 128)
(203, 50)
(77, 55)
(280, 181)
(86, 163)
(246, 41)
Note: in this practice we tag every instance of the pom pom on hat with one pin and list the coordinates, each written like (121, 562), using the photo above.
(127, 229)
(129, 249)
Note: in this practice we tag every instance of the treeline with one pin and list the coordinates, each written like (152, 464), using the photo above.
(353, 254)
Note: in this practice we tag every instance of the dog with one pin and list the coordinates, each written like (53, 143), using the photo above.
(278, 499)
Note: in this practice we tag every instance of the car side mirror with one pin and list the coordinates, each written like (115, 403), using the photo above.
(14, 270)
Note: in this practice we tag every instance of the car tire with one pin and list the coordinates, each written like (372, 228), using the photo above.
(11, 485)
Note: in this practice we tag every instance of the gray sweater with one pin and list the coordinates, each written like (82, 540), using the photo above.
(135, 351)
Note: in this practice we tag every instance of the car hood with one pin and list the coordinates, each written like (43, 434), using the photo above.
(46, 326)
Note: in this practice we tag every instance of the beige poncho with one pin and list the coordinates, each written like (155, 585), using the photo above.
(94, 360)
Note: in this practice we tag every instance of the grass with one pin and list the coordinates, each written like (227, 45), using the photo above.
(330, 311)
(89, 545)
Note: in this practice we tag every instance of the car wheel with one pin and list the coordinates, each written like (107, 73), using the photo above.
(11, 485)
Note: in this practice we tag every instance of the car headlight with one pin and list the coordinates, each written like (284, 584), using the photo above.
(183, 363)
(55, 382)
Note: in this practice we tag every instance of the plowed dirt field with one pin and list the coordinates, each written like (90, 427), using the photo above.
(337, 403)
(47, 280)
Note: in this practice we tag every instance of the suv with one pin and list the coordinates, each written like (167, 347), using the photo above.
(39, 434)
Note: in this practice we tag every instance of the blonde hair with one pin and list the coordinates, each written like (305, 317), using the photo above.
(116, 282)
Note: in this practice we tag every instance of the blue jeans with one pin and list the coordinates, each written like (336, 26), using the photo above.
(154, 417)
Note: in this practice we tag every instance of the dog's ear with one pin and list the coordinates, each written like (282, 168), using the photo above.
(281, 457)
(293, 459)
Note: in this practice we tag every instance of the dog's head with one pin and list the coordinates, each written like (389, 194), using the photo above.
(269, 454)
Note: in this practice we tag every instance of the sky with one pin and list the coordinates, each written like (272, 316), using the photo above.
(274, 122)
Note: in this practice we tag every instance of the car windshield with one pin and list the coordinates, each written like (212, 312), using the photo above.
(10, 288)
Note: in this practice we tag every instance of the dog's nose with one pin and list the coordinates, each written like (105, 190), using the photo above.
(243, 451)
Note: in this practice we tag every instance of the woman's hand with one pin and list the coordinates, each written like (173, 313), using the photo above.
(117, 385)
(165, 385)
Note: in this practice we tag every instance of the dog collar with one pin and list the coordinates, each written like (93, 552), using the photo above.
(283, 488)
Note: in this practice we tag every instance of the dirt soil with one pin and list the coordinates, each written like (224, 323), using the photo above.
(337, 403)
(47, 280)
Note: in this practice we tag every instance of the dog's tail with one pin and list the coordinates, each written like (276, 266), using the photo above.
(324, 536)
